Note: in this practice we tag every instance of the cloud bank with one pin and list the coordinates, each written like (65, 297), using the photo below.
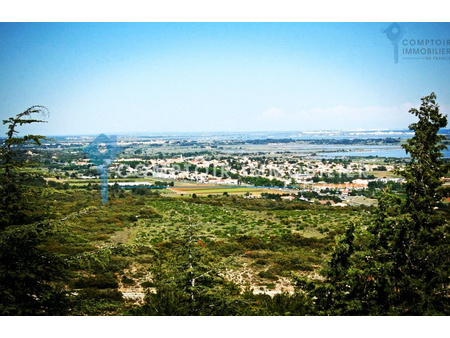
(339, 118)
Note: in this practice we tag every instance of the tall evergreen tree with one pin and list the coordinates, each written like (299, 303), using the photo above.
(13, 180)
(30, 277)
(188, 283)
(408, 262)
(405, 268)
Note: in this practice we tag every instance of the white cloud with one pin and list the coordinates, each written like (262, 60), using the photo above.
(273, 113)
(340, 118)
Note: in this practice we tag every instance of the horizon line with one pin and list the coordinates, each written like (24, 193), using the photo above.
(174, 133)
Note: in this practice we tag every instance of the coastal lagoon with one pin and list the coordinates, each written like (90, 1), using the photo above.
(394, 152)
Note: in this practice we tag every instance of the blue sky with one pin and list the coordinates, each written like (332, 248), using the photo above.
(168, 77)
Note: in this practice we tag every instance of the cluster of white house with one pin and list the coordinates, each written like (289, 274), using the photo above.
(298, 172)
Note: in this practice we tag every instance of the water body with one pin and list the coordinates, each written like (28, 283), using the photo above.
(294, 135)
(326, 150)
(322, 150)
(394, 152)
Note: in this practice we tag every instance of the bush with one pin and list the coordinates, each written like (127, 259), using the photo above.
(102, 281)
(147, 284)
(95, 294)
(268, 274)
(126, 280)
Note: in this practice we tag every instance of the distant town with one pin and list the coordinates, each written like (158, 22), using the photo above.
(333, 168)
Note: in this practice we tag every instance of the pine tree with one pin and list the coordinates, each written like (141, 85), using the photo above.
(188, 283)
(408, 260)
(30, 276)
(13, 181)
(405, 268)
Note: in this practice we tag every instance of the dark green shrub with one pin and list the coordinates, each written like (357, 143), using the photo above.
(101, 281)
(147, 284)
(104, 295)
(126, 280)
(268, 274)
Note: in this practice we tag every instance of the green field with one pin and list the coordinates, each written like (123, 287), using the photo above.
(265, 240)
(211, 190)
(381, 174)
